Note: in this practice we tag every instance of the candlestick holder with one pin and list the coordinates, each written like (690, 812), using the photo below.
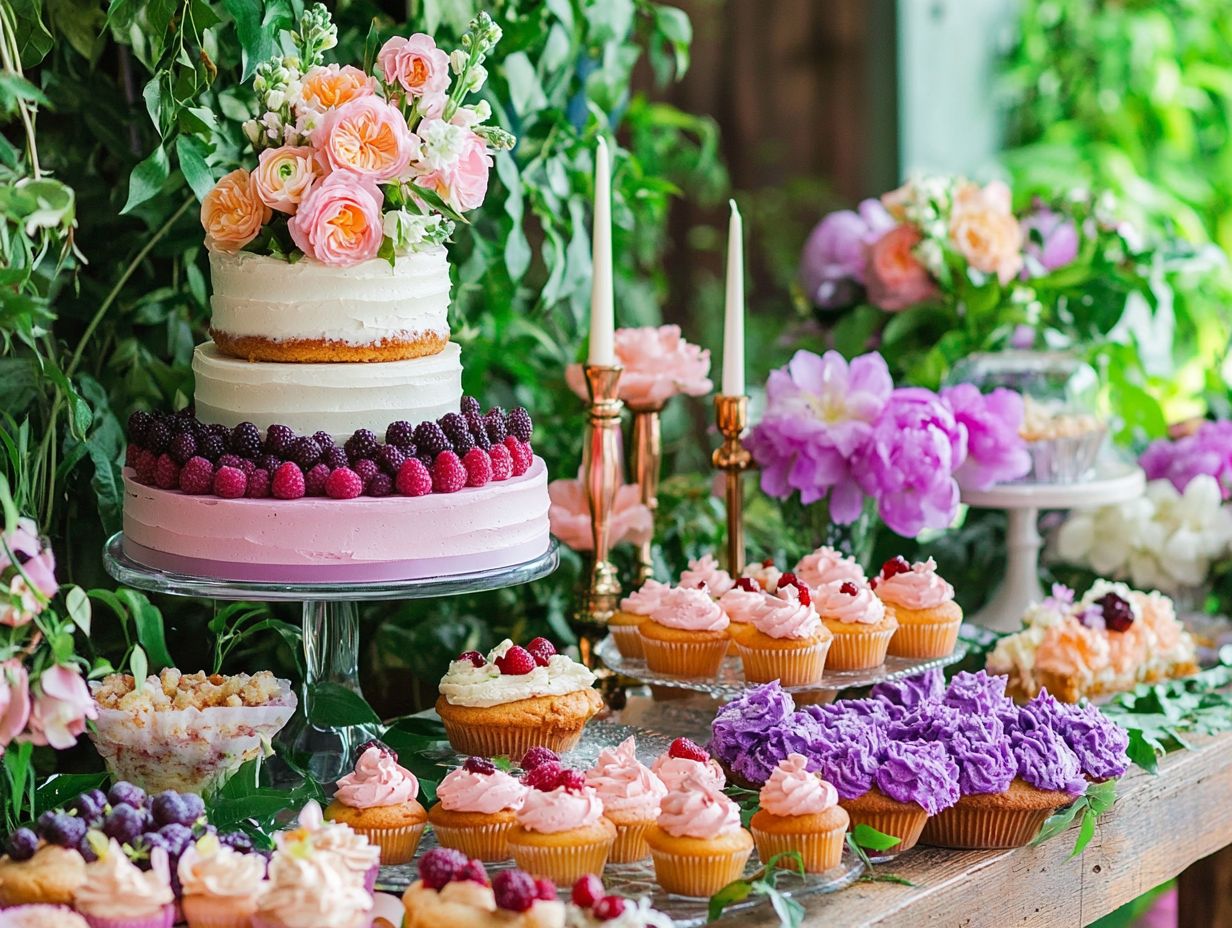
(647, 462)
(602, 469)
(731, 415)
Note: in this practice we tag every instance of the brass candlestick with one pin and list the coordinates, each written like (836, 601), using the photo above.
(731, 414)
(602, 469)
(647, 457)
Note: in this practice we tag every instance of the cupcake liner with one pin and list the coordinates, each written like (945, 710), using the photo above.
(488, 843)
(164, 919)
(510, 741)
(859, 650)
(370, 876)
(1067, 459)
(821, 850)
(630, 843)
(562, 864)
(693, 875)
(925, 639)
(216, 912)
(627, 640)
(790, 666)
(905, 825)
(698, 658)
(397, 844)
(983, 828)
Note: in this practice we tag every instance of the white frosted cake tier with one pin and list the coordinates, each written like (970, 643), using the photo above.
(338, 398)
(320, 539)
(264, 308)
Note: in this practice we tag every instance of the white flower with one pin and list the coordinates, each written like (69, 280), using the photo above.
(457, 60)
(472, 115)
(476, 79)
(442, 144)
(407, 230)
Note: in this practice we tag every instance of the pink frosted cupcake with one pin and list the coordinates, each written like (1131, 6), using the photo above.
(630, 793)
(41, 916)
(118, 895)
(684, 759)
(308, 888)
(923, 602)
(740, 602)
(220, 885)
(697, 844)
(686, 634)
(825, 565)
(561, 834)
(476, 809)
(378, 801)
(765, 574)
(784, 639)
(706, 570)
(860, 623)
(357, 853)
(634, 610)
(800, 812)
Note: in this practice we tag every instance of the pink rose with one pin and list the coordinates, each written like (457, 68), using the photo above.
(366, 136)
(416, 63)
(895, 277)
(985, 231)
(62, 704)
(454, 162)
(39, 562)
(658, 364)
(328, 86)
(232, 213)
(569, 515)
(285, 175)
(339, 222)
(14, 701)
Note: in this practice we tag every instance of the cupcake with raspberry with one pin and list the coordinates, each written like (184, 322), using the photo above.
(378, 801)
(923, 603)
(562, 833)
(697, 844)
(686, 634)
(766, 575)
(684, 759)
(117, 894)
(860, 623)
(219, 885)
(516, 698)
(452, 890)
(784, 639)
(826, 565)
(800, 812)
(630, 793)
(706, 570)
(740, 602)
(476, 808)
(310, 888)
(591, 906)
(634, 610)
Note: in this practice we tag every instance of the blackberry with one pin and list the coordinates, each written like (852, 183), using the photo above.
(401, 434)
(324, 439)
(217, 428)
(470, 405)
(494, 422)
(180, 423)
(518, 424)
(138, 422)
(278, 438)
(430, 440)
(462, 442)
(379, 484)
(389, 458)
(157, 436)
(246, 440)
(269, 463)
(305, 452)
(212, 447)
(182, 447)
(362, 444)
(479, 430)
(457, 431)
(336, 456)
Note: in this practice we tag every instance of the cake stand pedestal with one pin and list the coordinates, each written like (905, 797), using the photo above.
(331, 631)
(1022, 502)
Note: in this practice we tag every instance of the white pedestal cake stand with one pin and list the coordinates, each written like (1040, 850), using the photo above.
(1112, 483)
(331, 630)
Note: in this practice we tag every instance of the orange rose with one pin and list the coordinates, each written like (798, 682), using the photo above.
(367, 137)
(325, 87)
(985, 231)
(232, 213)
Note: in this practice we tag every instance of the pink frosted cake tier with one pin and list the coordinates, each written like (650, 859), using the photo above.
(318, 539)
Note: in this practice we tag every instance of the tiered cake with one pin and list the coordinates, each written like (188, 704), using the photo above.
(329, 440)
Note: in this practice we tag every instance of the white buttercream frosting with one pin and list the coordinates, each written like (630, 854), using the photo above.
(464, 684)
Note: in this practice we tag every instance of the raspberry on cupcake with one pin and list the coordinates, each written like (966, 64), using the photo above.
(860, 624)
(923, 603)
(683, 759)
(784, 638)
(452, 890)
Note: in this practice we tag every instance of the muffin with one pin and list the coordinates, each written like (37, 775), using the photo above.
(686, 634)
(377, 800)
(359, 855)
(219, 885)
(116, 894)
(825, 565)
(516, 698)
(50, 877)
(310, 888)
(784, 639)
(453, 891)
(739, 603)
(861, 625)
(923, 603)
(634, 610)
(630, 793)
(561, 831)
(800, 812)
(697, 844)
(41, 916)
(684, 759)
(476, 808)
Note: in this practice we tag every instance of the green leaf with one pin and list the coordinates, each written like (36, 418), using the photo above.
(148, 621)
(728, 895)
(59, 788)
(191, 152)
(139, 666)
(525, 92)
(675, 27)
(1086, 831)
(868, 837)
(78, 605)
(147, 178)
(332, 705)
(33, 39)
(14, 87)
(1058, 822)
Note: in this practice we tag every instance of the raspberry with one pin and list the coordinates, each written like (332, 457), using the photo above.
(400, 434)
(246, 440)
(494, 423)
(587, 891)
(389, 458)
(478, 467)
(288, 481)
(849, 588)
(146, 465)
(230, 483)
(305, 452)
(518, 424)
(895, 565)
(366, 468)
(545, 777)
(138, 422)
(469, 405)
(514, 890)
(748, 584)
(688, 750)
(787, 579)
(538, 755)
(379, 485)
(479, 765)
(278, 438)
(440, 866)
(474, 872)
(314, 480)
(362, 444)
(335, 457)
(609, 907)
(324, 439)
(130, 456)
(380, 746)
(516, 662)
(541, 650)
(479, 431)
(182, 447)
(448, 474)
(269, 462)
(166, 473)
(211, 446)
(429, 439)
(573, 780)
(197, 476)
(502, 462)
(413, 478)
(545, 889)
(476, 659)
(521, 453)
(804, 597)
(344, 483)
(1118, 616)
(258, 484)
(768, 562)
(157, 436)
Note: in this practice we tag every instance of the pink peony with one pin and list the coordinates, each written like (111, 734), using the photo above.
(996, 453)
(570, 515)
(365, 136)
(62, 704)
(658, 364)
(895, 277)
(416, 64)
(339, 223)
(285, 175)
(832, 264)
(14, 701)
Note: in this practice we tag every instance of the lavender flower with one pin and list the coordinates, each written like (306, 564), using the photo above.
(1050, 241)
(833, 261)
(996, 453)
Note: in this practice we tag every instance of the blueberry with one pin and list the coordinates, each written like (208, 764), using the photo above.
(124, 793)
(194, 806)
(64, 830)
(22, 844)
(89, 806)
(237, 841)
(168, 807)
(86, 851)
(124, 823)
(177, 837)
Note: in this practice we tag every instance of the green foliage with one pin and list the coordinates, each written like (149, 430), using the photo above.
(1098, 799)
(764, 883)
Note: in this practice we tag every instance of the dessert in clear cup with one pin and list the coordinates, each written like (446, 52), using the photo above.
(378, 800)
(476, 808)
(630, 792)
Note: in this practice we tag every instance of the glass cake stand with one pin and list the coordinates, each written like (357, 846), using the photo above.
(331, 629)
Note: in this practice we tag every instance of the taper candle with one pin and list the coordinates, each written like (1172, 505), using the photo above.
(602, 321)
(733, 318)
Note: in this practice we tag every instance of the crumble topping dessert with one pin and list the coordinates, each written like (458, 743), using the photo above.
(173, 689)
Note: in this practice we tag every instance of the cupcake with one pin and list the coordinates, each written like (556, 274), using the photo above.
(359, 855)
(476, 808)
(707, 570)
(51, 876)
(561, 831)
(310, 888)
(765, 574)
(685, 759)
(825, 565)
(591, 906)
(634, 610)
(116, 894)
(686, 634)
(697, 843)
(219, 885)
(516, 698)
(377, 800)
(739, 603)
(41, 916)
(800, 812)
(630, 793)
(453, 891)
(923, 603)
(784, 639)
(861, 625)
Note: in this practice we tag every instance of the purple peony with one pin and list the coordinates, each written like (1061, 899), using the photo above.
(833, 260)
(996, 453)
(1206, 451)
(909, 692)
(1050, 241)
(922, 772)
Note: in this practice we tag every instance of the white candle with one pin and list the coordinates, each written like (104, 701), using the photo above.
(733, 319)
(602, 320)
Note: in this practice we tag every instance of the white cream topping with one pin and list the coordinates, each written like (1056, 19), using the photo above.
(464, 684)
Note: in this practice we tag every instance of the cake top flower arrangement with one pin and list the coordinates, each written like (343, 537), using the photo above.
(352, 166)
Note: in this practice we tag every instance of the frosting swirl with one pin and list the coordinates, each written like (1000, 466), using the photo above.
(741, 604)
(698, 809)
(707, 570)
(625, 785)
(690, 609)
(464, 684)
(378, 780)
(314, 890)
(918, 588)
(782, 615)
(208, 868)
(488, 793)
(862, 608)
(794, 790)
(642, 601)
(559, 809)
(353, 849)
(825, 565)
(673, 771)
(921, 772)
(115, 889)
